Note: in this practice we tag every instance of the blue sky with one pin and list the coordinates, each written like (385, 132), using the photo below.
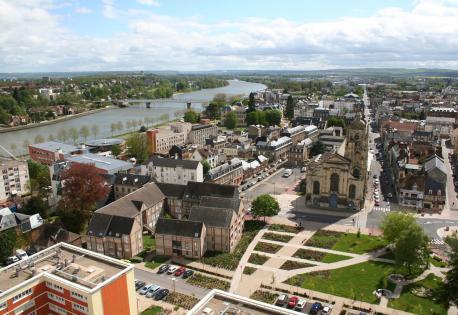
(66, 35)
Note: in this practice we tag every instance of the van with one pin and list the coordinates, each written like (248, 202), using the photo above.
(21, 254)
(287, 173)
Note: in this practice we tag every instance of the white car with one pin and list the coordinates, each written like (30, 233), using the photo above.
(300, 305)
(326, 310)
(172, 270)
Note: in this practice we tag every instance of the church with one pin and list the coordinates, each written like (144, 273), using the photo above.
(338, 179)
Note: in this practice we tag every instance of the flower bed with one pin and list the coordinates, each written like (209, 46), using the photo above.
(258, 259)
(267, 247)
(277, 237)
(181, 300)
(284, 228)
(291, 265)
(318, 256)
(203, 281)
(249, 270)
(264, 296)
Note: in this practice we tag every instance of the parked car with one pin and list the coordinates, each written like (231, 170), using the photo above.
(152, 291)
(172, 269)
(282, 300)
(161, 294)
(21, 254)
(326, 310)
(180, 271)
(188, 273)
(145, 289)
(11, 260)
(377, 203)
(316, 307)
(300, 305)
(293, 301)
(163, 268)
(139, 284)
(287, 172)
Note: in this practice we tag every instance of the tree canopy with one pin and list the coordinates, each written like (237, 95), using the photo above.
(448, 292)
(191, 116)
(289, 111)
(230, 120)
(317, 148)
(335, 121)
(206, 166)
(137, 147)
(7, 243)
(265, 206)
(394, 223)
(251, 103)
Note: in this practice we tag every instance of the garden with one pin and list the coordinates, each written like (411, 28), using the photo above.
(267, 247)
(257, 259)
(318, 256)
(354, 282)
(154, 310)
(284, 228)
(249, 270)
(277, 237)
(291, 265)
(203, 281)
(230, 261)
(346, 242)
(181, 300)
(264, 296)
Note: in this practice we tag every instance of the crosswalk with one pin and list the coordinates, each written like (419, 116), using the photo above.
(437, 241)
(382, 209)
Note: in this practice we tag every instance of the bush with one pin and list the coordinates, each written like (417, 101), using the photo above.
(136, 260)
(264, 296)
(258, 259)
(291, 264)
(181, 300)
(284, 228)
(267, 247)
(277, 237)
(203, 281)
(249, 270)
(156, 261)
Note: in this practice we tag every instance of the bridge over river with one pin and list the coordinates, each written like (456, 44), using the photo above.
(162, 101)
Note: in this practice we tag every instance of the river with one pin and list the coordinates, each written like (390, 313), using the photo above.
(137, 112)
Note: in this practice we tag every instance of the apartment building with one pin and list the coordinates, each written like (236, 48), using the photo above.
(199, 133)
(299, 153)
(50, 152)
(175, 171)
(275, 149)
(297, 134)
(65, 279)
(230, 173)
(124, 184)
(116, 229)
(162, 140)
(14, 179)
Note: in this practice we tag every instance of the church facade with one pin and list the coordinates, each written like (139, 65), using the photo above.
(338, 179)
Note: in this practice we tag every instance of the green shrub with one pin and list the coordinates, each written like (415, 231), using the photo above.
(258, 259)
(277, 237)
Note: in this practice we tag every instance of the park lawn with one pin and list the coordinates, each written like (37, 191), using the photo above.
(332, 258)
(346, 242)
(153, 310)
(156, 261)
(230, 261)
(249, 270)
(419, 305)
(258, 259)
(354, 282)
(437, 262)
(149, 242)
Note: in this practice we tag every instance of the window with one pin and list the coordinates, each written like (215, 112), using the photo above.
(82, 309)
(334, 186)
(356, 173)
(23, 307)
(57, 309)
(22, 295)
(78, 296)
(56, 298)
(352, 192)
(55, 287)
(316, 187)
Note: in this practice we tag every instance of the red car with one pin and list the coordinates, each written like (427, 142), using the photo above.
(293, 301)
(180, 271)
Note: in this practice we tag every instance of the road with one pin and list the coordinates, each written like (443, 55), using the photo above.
(165, 281)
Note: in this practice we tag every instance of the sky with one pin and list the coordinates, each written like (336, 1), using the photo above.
(201, 35)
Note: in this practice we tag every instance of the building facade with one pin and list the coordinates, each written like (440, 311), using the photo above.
(14, 179)
(199, 133)
(230, 173)
(174, 171)
(162, 140)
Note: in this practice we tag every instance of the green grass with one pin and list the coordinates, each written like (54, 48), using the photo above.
(203, 281)
(318, 256)
(419, 305)
(388, 255)
(267, 247)
(249, 270)
(149, 242)
(153, 310)
(283, 228)
(437, 262)
(230, 261)
(291, 265)
(277, 237)
(258, 259)
(156, 261)
(346, 242)
(354, 282)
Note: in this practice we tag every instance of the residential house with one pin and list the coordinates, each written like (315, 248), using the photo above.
(14, 179)
(230, 173)
(274, 149)
(174, 171)
(124, 184)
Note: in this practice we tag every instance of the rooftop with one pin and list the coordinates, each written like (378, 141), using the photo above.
(185, 228)
(63, 262)
(104, 142)
(55, 146)
(172, 163)
(108, 164)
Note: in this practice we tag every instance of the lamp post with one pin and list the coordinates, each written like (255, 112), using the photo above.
(173, 283)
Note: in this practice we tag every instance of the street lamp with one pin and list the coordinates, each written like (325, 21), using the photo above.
(173, 283)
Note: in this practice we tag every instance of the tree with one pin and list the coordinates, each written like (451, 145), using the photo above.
(394, 223)
(191, 116)
(422, 115)
(7, 243)
(62, 135)
(273, 117)
(213, 110)
(39, 139)
(317, 148)
(84, 132)
(39, 177)
(220, 99)
(116, 149)
(448, 291)
(137, 147)
(51, 138)
(113, 128)
(230, 120)
(119, 125)
(83, 188)
(289, 112)
(73, 132)
(265, 206)
(251, 118)
(411, 248)
(95, 131)
(36, 204)
(206, 166)
(335, 121)
(251, 103)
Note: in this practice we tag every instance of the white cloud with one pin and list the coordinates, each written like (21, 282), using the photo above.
(149, 2)
(34, 38)
(83, 10)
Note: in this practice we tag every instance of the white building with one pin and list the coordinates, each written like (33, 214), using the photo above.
(199, 133)
(14, 179)
(173, 171)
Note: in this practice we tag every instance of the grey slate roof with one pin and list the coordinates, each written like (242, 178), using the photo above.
(435, 162)
(172, 163)
(212, 216)
(98, 226)
(196, 190)
(172, 190)
(186, 228)
(220, 202)
(131, 179)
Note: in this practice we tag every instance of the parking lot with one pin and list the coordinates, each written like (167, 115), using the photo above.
(308, 306)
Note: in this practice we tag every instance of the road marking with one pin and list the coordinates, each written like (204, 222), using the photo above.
(382, 209)
(437, 241)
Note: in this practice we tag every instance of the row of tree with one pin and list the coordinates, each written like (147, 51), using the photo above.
(270, 117)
